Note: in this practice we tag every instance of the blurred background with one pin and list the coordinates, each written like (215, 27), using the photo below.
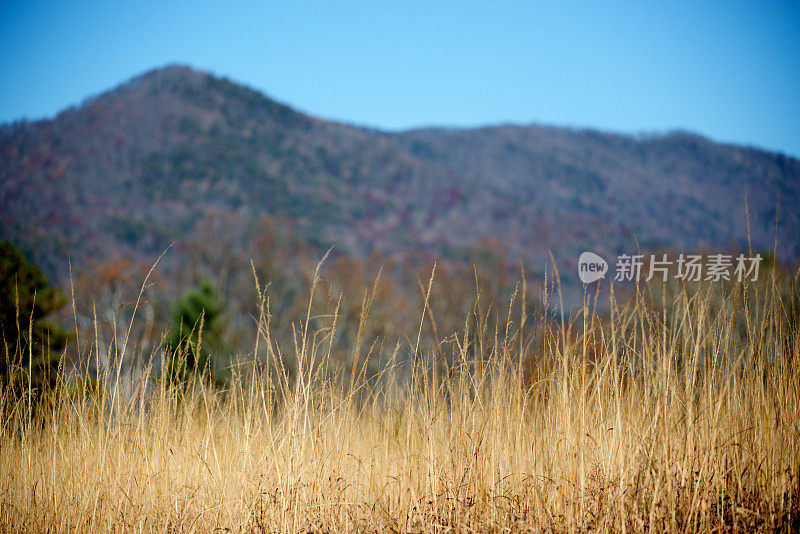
(482, 137)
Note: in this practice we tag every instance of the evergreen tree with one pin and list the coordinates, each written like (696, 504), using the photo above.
(196, 331)
(27, 341)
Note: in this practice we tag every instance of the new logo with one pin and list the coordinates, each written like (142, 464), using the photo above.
(591, 267)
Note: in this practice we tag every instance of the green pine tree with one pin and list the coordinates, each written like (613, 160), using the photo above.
(27, 341)
(196, 331)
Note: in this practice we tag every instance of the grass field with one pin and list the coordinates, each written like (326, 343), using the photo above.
(677, 411)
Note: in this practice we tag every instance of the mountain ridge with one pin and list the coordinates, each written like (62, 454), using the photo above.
(141, 165)
(185, 68)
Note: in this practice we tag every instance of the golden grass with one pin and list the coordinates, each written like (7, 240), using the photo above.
(676, 417)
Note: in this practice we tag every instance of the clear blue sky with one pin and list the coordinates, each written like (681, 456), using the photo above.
(729, 70)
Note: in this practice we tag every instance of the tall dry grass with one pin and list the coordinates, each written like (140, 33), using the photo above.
(676, 412)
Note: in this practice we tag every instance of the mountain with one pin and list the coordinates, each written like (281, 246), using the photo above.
(177, 154)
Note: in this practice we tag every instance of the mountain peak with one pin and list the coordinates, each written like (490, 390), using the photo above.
(165, 76)
(142, 165)
(171, 71)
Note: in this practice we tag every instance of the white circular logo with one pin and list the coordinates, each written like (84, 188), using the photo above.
(591, 267)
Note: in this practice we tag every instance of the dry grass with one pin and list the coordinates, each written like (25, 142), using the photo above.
(681, 416)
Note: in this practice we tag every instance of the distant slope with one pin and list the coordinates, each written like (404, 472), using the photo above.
(148, 162)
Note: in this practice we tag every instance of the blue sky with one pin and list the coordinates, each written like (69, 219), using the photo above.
(728, 70)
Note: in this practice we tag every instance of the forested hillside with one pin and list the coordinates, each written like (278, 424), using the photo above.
(226, 174)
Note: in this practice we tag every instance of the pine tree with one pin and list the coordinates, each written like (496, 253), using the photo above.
(196, 331)
(27, 341)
